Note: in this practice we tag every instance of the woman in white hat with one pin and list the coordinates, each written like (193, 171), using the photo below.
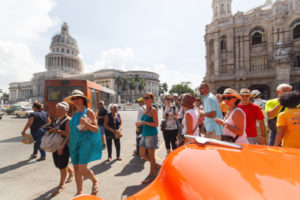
(85, 140)
(61, 156)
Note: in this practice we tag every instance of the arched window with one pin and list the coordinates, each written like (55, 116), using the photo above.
(296, 63)
(256, 38)
(296, 32)
(223, 43)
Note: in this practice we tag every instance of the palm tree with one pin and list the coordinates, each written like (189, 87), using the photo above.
(132, 86)
(119, 82)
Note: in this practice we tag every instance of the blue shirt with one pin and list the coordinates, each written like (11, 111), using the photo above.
(211, 104)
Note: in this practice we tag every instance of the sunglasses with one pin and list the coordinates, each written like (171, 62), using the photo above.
(146, 98)
(228, 98)
(75, 98)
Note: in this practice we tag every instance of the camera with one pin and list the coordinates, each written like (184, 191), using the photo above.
(47, 127)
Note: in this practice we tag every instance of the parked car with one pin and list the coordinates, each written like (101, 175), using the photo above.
(23, 112)
(211, 169)
(12, 109)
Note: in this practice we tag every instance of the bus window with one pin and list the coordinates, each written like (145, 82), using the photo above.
(94, 100)
(58, 93)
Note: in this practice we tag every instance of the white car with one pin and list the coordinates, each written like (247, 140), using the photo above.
(23, 112)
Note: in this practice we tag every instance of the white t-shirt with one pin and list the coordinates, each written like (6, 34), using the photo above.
(194, 115)
(140, 113)
(170, 121)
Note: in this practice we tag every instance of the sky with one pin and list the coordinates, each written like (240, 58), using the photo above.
(163, 36)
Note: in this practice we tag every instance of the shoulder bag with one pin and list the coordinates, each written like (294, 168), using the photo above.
(52, 141)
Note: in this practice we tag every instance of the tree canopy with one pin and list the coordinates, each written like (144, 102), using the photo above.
(182, 88)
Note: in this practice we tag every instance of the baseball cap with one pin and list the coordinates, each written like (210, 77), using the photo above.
(255, 93)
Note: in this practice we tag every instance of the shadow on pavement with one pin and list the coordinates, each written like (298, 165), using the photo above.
(131, 190)
(47, 195)
(15, 166)
(14, 139)
(102, 167)
(135, 165)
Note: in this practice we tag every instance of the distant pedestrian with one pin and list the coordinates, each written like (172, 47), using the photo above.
(253, 115)
(235, 120)
(141, 110)
(191, 116)
(288, 122)
(211, 111)
(199, 107)
(113, 124)
(170, 114)
(85, 140)
(102, 112)
(61, 156)
(36, 122)
(273, 108)
(149, 141)
(261, 103)
(222, 104)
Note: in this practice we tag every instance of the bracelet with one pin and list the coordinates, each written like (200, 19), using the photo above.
(111, 129)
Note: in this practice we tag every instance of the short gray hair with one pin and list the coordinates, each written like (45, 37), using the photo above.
(63, 105)
(112, 105)
(284, 85)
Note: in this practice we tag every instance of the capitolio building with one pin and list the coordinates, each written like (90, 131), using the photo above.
(63, 62)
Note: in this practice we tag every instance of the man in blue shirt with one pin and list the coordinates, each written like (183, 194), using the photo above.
(211, 111)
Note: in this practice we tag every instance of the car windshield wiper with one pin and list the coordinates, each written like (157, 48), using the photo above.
(204, 141)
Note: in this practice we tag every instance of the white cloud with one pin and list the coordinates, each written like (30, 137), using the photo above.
(113, 58)
(22, 22)
(16, 63)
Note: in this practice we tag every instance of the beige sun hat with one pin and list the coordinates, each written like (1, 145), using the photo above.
(76, 93)
(231, 92)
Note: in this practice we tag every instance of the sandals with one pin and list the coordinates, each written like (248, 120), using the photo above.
(148, 179)
(119, 159)
(33, 156)
(69, 180)
(108, 160)
(95, 189)
(41, 159)
(58, 190)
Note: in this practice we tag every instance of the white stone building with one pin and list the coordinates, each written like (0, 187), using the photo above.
(258, 49)
(63, 62)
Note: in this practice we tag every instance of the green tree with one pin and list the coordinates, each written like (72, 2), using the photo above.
(132, 86)
(119, 81)
(182, 88)
(5, 97)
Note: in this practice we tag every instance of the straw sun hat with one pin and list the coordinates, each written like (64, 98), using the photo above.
(76, 93)
(231, 92)
(27, 139)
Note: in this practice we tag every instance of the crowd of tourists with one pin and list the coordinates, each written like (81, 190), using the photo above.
(239, 117)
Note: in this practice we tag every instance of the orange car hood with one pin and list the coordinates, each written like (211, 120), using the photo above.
(213, 172)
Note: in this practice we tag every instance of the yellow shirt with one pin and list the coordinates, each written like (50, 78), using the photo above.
(291, 120)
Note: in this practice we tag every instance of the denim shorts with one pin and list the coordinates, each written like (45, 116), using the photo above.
(102, 130)
(149, 142)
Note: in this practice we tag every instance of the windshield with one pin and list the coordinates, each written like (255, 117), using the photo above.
(58, 93)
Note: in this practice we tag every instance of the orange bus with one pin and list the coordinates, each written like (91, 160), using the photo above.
(56, 90)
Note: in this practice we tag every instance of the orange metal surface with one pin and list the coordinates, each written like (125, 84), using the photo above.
(87, 197)
(212, 172)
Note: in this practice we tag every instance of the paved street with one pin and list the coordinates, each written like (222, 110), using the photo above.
(22, 178)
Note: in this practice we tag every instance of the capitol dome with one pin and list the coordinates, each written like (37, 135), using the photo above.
(64, 52)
